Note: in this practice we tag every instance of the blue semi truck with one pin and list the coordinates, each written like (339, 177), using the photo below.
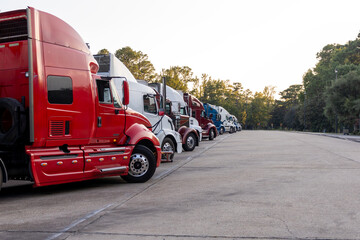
(213, 114)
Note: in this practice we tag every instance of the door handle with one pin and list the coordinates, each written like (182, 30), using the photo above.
(99, 121)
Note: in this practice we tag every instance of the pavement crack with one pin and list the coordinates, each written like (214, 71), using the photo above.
(285, 224)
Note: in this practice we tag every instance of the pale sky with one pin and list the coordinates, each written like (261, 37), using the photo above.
(258, 43)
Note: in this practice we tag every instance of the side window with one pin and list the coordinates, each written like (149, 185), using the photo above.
(168, 109)
(60, 90)
(193, 114)
(150, 104)
(104, 92)
(218, 117)
(183, 111)
(116, 98)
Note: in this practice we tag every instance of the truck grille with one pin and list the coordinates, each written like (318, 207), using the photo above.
(56, 128)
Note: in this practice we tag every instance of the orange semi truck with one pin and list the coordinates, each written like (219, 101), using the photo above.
(59, 121)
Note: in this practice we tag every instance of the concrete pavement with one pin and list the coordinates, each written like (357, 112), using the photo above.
(253, 185)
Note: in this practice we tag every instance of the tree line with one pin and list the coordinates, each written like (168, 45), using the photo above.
(328, 100)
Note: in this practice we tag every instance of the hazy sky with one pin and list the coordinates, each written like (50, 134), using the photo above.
(257, 43)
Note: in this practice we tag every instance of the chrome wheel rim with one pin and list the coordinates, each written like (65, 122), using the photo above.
(212, 133)
(190, 142)
(139, 165)
(167, 147)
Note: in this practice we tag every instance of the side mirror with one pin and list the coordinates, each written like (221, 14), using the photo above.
(161, 113)
(126, 98)
(211, 116)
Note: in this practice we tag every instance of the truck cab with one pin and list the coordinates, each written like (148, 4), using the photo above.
(191, 134)
(196, 110)
(212, 113)
(143, 101)
(237, 124)
(59, 121)
(226, 119)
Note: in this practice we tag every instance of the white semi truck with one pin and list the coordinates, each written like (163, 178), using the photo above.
(143, 100)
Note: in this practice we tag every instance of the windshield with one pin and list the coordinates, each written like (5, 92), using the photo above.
(117, 84)
(183, 111)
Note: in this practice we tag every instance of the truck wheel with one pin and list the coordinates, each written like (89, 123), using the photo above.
(211, 134)
(142, 165)
(190, 142)
(222, 130)
(168, 145)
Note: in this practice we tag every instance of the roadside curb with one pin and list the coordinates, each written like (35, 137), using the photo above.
(333, 135)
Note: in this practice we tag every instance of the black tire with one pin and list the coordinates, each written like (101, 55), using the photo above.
(1, 178)
(222, 130)
(211, 134)
(12, 121)
(168, 145)
(190, 142)
(142, 165)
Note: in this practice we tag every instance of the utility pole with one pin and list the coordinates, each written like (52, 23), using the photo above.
(336, 119)
(304, 110)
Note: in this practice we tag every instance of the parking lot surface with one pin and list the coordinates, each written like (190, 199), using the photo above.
(247, 185)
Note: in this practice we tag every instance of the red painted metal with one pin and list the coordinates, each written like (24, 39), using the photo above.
(69, 144)
(195, 109)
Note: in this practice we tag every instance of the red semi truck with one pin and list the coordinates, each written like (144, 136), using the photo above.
(59, 121)
(197, 111)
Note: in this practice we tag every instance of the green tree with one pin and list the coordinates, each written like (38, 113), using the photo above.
(179, 77)
(291, 94)
(343, 99)
(286, 112)
(261, 106)
(137, 62)
(103, 51)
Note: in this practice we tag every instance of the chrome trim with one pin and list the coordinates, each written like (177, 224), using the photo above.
(106, 153)
(53, 157)
(123, 168)
(113, 149)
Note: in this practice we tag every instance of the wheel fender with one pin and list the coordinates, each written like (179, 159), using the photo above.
(185, 131)
(176, 137)
(212, 126)
(138, 132)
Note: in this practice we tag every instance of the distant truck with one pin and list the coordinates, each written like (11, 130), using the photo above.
(191, 134)
(226, 119)
(59, 121)
(212, 113)
(196, 110)
(237, 124)
(143, 100)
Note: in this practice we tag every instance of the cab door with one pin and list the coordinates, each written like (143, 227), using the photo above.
(110, 115)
